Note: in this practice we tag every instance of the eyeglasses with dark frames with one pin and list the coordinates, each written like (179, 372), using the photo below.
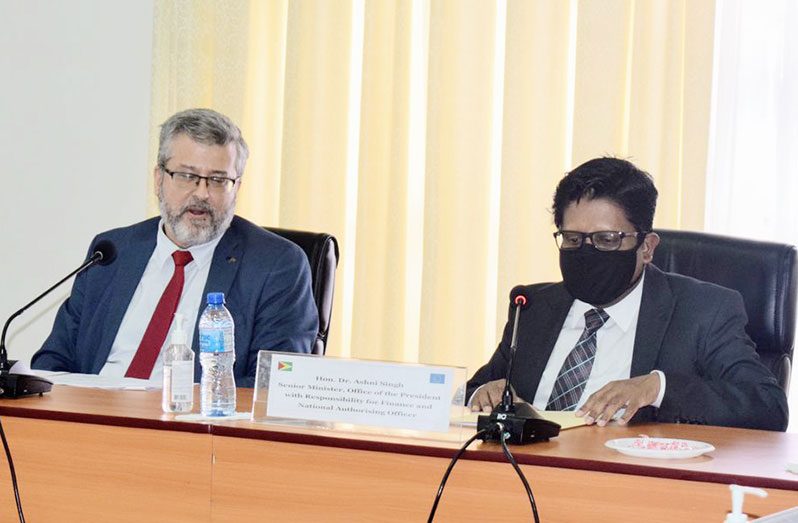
(601, 240)
(190, 181)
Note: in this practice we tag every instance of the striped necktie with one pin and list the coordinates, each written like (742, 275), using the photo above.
(576, 369)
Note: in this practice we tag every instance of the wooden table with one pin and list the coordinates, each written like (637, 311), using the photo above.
(93, 455)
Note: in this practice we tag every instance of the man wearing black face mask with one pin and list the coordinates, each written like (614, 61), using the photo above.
(618, 338)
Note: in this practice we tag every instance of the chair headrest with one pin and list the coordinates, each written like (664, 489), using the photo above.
(764, 273)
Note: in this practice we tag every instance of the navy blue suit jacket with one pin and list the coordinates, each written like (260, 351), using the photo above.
(692, 331)
(265, 280)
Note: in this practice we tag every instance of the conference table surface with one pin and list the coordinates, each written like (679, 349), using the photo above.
(99, 455)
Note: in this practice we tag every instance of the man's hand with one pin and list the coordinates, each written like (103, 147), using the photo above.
(488, 396)
(632, 395)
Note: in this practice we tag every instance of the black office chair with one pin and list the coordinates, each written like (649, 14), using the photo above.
(763, 272)
(322, 252)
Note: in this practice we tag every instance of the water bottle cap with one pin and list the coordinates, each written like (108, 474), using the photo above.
(215, 298)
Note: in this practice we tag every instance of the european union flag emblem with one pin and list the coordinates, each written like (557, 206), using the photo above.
(437, 378)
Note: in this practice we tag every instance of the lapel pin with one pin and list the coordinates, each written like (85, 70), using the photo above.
(231, 259)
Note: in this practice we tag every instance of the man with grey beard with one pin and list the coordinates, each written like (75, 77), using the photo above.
(117, 320)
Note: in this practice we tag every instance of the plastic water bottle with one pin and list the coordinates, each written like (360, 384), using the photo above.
(217, 355)
(178, 372)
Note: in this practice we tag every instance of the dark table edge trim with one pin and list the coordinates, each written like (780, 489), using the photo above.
(417, 449)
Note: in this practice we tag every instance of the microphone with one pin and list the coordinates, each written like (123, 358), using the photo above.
(17, 385)
(518, 420)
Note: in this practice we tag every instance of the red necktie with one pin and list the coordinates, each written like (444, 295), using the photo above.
(155, 335)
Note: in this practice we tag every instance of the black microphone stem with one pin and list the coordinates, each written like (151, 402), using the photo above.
(507, 395)
(512, 422)
(4, 366)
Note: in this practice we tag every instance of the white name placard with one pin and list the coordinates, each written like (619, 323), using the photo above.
(394, 395)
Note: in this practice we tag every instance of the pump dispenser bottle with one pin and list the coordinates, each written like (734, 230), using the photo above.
(178, 372)
(737, 515)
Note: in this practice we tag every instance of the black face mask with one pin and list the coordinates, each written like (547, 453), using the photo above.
(597, 277)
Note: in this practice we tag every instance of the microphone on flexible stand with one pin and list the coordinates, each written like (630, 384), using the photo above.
(518, 419)
(17, 385)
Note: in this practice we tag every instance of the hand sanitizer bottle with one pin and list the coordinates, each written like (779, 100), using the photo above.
(178, 372)
(738, 492)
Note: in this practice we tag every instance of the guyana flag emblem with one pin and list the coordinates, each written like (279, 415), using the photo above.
(287, 366)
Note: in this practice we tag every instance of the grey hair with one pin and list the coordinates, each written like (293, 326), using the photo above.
(204, 126)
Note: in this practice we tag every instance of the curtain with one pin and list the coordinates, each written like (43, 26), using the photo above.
(753, 156)
(428, 137)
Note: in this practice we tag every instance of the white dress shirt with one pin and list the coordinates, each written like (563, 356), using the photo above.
(157, 274)
(614, 347)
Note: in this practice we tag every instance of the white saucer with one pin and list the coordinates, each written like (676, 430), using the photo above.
(660, 448)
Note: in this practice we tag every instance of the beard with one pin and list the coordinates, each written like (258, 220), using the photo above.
(189, 231)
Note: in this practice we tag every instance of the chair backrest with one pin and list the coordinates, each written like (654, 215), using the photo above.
(763, 272)
(322, 252)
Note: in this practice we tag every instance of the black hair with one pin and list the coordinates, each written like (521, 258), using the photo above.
(614, 179)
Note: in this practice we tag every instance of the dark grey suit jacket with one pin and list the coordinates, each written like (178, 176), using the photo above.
(692, 331)
(265, 279)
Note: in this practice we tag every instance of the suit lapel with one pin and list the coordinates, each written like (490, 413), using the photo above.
(224, 267)
(129, 270)
(538, 333)
(656, 309)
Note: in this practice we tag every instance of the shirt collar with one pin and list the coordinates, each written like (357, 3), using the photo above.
(164, 247)
(623, 313)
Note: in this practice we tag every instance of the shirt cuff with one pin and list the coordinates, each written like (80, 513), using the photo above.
(661, 394)
(468, 403)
